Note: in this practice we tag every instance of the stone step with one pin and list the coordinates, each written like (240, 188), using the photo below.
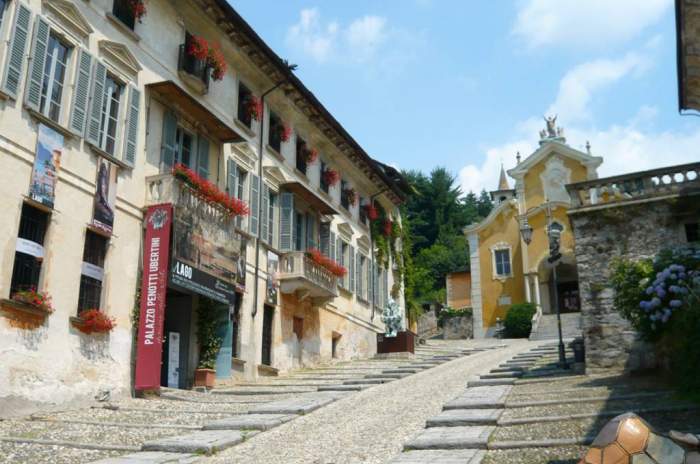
(151, 457)
(249, 422)
(298, 405)
(493, 397)
(465, 437)
(558, 454)
(467, 456)
(502, 375)
(401, 371)
(343, 387)
(204, 442)
(260, 391)
(490, 382)
(387, 376)
(367, 381)
(508, 369)
(460, 417)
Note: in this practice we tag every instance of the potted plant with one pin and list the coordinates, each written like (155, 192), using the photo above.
(351, 195)
(94, 321)
(138, 9)
(217, 62)
(254, 107)
(330, 177)
(285, 132)
(34, 299)
(209, 344)
(371, 211)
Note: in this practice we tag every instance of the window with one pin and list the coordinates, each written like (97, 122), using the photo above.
(124, 12)
(29, 249)
(3, 4)
(502, 259)
(110, 115)
(344, 200)
(274, 134)
(344, 260)
(301, 155)
(324, 185)
(245, 99)
(53, 78)
(185, 148)
(191, 65)
(299, 231)
(692, 232)
(363, 211)
(92, 272)
(240, 192)
(360, 282)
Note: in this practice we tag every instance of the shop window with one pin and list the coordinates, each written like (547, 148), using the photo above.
(109, 115)
(124, 12)
(301, 163)
(502, 259)
(53, 77)
(274, 134)
(29, 249)
(245, 100)
(92, 272)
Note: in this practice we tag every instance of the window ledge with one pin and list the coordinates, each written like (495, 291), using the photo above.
(50, 122)
(100, 152)
(242, 126)
(123, 27)
(38, 205)
(21, 315)
(268, 370)
(362, 301)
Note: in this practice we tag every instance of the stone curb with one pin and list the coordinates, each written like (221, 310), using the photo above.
(151, 457)
(490, 382)
(461, 417)
(545, 443)
(203, 442)
(71, 444)
(260, 422)
(128, 425)
(609, 413)
(591, 399)
(469, 437)
(467, 456)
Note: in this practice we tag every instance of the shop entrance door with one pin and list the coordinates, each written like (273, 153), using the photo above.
(178, 320)
(225, 331)
(267, 335)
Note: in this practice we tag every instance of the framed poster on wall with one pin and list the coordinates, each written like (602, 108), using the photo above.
(49, 149)
(105, 195)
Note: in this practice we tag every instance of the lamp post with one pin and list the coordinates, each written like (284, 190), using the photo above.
(554, 256)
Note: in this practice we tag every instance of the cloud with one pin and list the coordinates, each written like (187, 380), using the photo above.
(312, 37)
(473, 178)
(578, 85)
(589, 23)
(322, 41)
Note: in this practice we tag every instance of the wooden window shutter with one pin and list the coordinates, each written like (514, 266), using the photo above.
(351, 269)
(254, 205)
(169, 139)
(132, 126)
(331, 244)
(286, 221)
(264, 223)
(32, 95)
(324, 234)
(18, 44)
(81, 94)
(92, 133)
(203, 157)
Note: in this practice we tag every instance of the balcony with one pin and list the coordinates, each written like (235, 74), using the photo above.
(194, 72)
(300, 274)
(164, 188)
(636, 187)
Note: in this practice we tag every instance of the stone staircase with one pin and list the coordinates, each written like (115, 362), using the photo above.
(547, 328)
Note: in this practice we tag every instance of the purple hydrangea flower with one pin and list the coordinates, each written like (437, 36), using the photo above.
(655, 302)
(660, 292)
(675, 303)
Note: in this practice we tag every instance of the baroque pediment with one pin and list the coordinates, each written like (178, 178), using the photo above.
(120, 55)
(68, 15)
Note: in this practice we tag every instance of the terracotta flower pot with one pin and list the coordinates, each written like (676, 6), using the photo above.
(204, 378)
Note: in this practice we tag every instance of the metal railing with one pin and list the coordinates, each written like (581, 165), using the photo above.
(192, 66)
(644, 185)
(296, 264)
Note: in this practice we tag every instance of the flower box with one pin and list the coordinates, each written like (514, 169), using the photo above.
(93, 321)
(209, 192)
(204, 378)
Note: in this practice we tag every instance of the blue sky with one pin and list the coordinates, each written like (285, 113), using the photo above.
(464, 84)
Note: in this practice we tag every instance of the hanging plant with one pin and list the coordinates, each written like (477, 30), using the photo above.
(388, 226)
(209, 192)
(217, 62)
(285, 132)
(198, 48)
(254, 107)
(330, 177)
(39, 300)
(138, 9)
(94, 321)
(324, 261)
(310, 154)
(371, 212)
(351, 195)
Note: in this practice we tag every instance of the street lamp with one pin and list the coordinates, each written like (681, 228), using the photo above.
(554, 256)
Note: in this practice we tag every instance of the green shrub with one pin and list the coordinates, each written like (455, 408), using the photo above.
(518, 322)
(208, 320)
(448, 313)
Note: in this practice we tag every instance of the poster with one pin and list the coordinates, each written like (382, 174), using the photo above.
(273, 264)
(105, 195)
(149, 348)
(49, 148)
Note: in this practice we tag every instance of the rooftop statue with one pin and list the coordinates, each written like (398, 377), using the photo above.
(551, 126)
(392, 318)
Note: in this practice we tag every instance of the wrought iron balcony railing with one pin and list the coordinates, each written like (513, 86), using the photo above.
(302, 275)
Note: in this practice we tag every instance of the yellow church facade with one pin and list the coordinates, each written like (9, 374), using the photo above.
(505, 269)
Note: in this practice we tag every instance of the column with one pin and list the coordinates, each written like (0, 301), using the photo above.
(527, 288)
(538, 302)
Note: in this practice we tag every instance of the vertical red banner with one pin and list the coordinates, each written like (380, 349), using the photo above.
(156, 250)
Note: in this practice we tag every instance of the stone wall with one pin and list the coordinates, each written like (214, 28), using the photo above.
(427, 324)
(630, 232)
(458, 328)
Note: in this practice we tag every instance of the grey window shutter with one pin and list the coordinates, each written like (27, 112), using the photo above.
(203, 157)
(92, 133)
(32, 95)
(169, 139)
(340, 258)
(351, 269)
(310, 231)
(286, 221)
(132, 126)
(264, 230)
(81, 94)
(324, 235)
(18, 44)
(331, 244)
(358, 275)
(376, 284)
(231, 177)
(369, 281)
(254, 205)
(385, 287)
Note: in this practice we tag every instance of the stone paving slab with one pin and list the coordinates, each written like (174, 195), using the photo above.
(502, 375)
(481, 398)
(249, 422)
(261, 391)
(343, 388)
(459, 417)
(401, 371)
(386, 376)
(467, 456)
(467, 437)
(204, 442)
(490, 382)
(151, 457)
(367, 381)
(298, 405)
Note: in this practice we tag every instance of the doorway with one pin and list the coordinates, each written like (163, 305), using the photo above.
(335, 340)
(174, 370)
(268, 317)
